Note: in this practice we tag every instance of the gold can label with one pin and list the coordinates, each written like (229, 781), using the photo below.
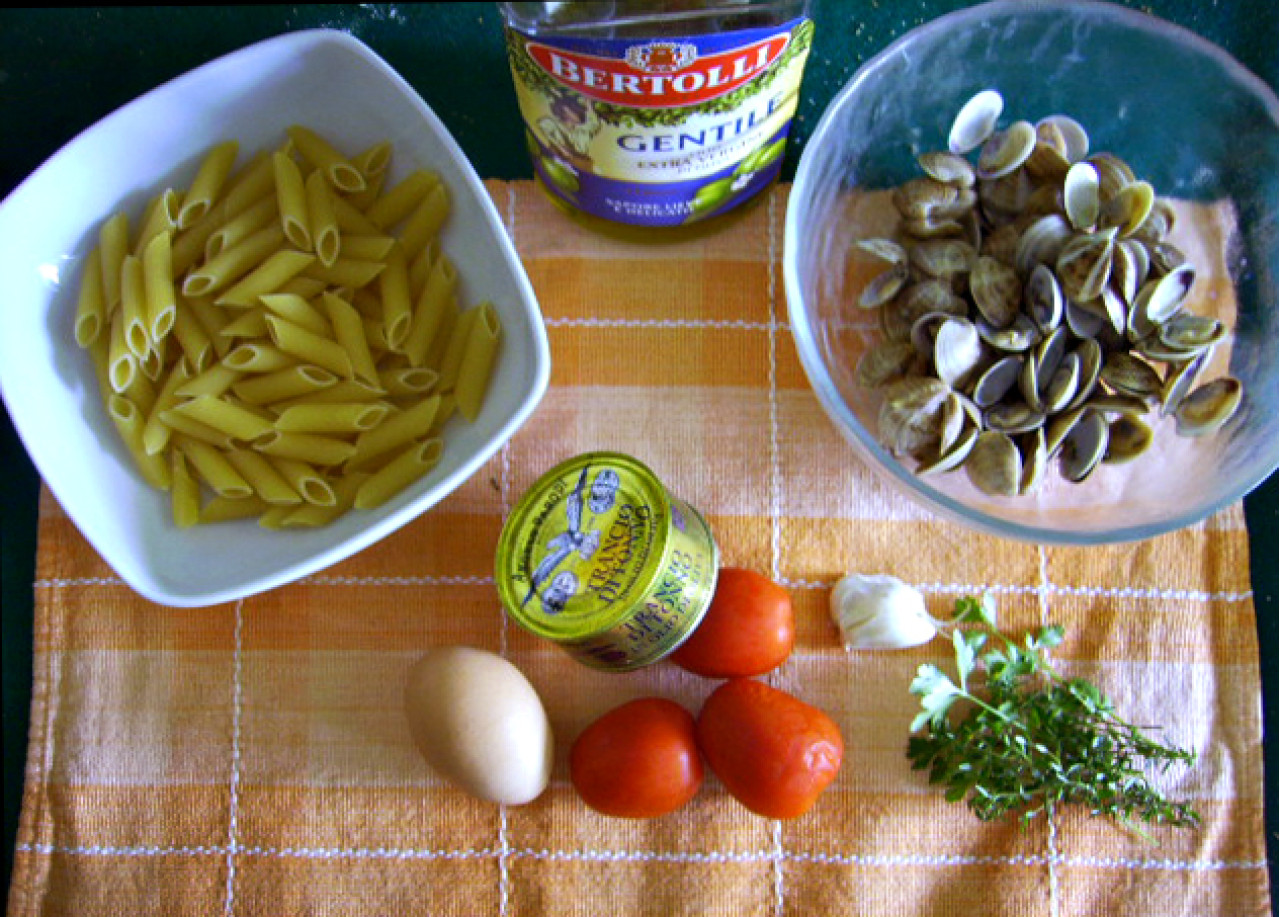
(601, 559)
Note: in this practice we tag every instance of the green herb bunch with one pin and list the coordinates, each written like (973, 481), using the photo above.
(1031, 740)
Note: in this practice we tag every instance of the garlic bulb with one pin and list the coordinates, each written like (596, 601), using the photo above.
(880, 612)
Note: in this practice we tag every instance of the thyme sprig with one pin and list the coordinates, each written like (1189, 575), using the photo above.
(1031, 740)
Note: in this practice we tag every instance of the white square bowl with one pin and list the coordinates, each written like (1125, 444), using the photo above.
(334, 84)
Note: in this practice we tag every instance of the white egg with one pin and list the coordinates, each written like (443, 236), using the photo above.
(480, 724)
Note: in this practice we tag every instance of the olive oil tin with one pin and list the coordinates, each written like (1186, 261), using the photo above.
(601, 559)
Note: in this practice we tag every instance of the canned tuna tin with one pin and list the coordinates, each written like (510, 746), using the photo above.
(601, 559)
(657, 114)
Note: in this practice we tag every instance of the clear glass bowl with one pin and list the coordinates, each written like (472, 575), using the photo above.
(1184, 114)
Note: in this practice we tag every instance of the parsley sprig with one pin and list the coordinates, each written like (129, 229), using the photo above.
(1032, 740)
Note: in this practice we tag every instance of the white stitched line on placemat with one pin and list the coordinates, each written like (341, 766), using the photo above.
(1051, 839)
(632, 856)
(234, 796)
(675, 324)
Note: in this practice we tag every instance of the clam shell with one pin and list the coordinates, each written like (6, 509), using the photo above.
(943, 258)
(1084, 323)
(921, 197)
(1041, 242)
(1084, 265)
(1073, 134)
(1014, 417)
(1129, 208)
(884, 362)
(1063, 384)
(1049, 354)
(1004, 198)
(1083, 447)
(1035, 461)
(1179, 381)
(994, 465)
(1159, 222)
(1129, 375)
(1113, 174)
(884, 287)
(1165, 257)
(1159, 299)
(996, 291)
(926, 296)
(884, 249)
(1080, 196)
(1089, 354)
(948, 167)
(1018, 337)
(1125, 276)
(1059, 427)
(975, 121)
(1048, 161)
(996, 381)
(957, 351)
(1007, 150)
(1043, 296)
(953, 456)
(1189, 333)
(1206, 408)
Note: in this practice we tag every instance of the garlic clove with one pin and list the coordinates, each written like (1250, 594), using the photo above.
(880, 612)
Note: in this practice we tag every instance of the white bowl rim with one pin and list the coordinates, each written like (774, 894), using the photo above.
(849, 426)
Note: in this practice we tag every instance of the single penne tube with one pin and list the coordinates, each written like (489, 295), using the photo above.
(197, 348)
(184, 492)
(425, 221)
(420, 267)
(335, 167)
(268, 277)
(259, 357)
(323, 224)
(451, 362)
(91, 304)
(133, 306)
(240, 424)
(400, 200)
(291, 199)
(367, 248)
(314, 488)
(397, 430)
(153, 362)
(352, 221)
(211, 319)
(212, 382)
(312, 448)
(315, 515)
(231, 509)
(394, 477)
(306, 287)
(161, 301)
(294, 308)
(233, 263)
(251, 325)
(408, 381)
(478, 358)
(348, 330)
(397, 308)
(129, 422)
(208, 183)
(250, 184)
(100, 355)
(267, 482)
(161, 216)
(375, 333)
(431, 311)
(273, 517)
(228, 235)
(309, 347)
(346, 272)
(283, 384)
(113, 246)
(155, 432)
(189, 244)
(373, 185)
(181, 425)
(142, 392)
(211, 466)
(344, 391)
(373, 160)
(353, 417)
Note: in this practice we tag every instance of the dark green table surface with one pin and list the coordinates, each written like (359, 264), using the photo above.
(62, 70)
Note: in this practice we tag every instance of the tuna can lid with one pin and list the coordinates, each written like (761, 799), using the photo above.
(583, 546)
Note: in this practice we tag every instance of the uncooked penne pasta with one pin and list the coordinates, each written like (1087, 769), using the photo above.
(153, 361)
(408, 381)
(161, 216)
(181, 425)
(312, 448)
(258, 216)
(348, 330)
(310, 484)
(265, 479)
(451, 363)
(212, 466)
(352, 221)
(420, 267)
(374, 159)
(367, 248)
(259, 358)
(294, 308)
(291, 197)
(184, 492)
(331, 418)
(431, 311)
(397, 430)
(401, 199)
(160, 299)
(208, 183)
(269, 388)
(425, 221)
(91, 305)
(392, 478)
(155, 432)
(129, 421)
(322, 155)
(229, 509)
(397, 310)
(251, 324)
(346, 272)
(478, 358)
(113, 246)
(343, 493)
(254, 181)
(213, 382)
(233, 263)
(197, 346)
(323, 224)
(309, 347)
(268, 277)
(133, 305)
(240, 424)
(122, 363)
(344, 391)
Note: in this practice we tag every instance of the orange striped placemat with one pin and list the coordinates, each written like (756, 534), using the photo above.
(252, 758)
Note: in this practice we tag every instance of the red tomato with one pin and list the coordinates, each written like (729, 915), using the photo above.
(773, 752)
(639, 760)
(748, 630)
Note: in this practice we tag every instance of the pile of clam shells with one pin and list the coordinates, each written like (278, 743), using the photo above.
(1032, 310)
